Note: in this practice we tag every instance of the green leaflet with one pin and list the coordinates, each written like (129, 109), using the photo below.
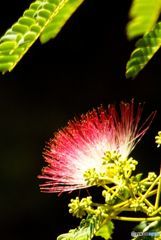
(88, 228)
(143, 15)
(20, 37)
(54, 27)
(81, 234)
(106, 230)
(146, 47)
(65, 236)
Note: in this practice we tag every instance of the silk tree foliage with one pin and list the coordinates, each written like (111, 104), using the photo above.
(43, 19)
(144, 14)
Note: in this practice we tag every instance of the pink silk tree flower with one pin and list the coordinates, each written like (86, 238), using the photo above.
(82, 144)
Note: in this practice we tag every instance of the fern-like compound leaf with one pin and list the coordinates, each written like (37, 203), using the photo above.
(146, 47)
(76, 234)
(89, 228)
(143, 14)
(58, 21)
(20, 37)
(81, 234)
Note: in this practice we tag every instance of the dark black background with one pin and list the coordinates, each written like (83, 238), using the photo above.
(81, 69)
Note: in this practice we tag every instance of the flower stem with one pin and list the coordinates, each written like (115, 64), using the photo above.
(146, 201)
(122, 204)
(158, 193)
(137, 219)
(149, 189)
(152, 193)
(156, 211)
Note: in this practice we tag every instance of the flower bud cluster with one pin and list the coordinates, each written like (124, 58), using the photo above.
(78, 207)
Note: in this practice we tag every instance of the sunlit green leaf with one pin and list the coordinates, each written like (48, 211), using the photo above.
(58, 21)
(146, 47)
(143, 15)
(76, 234)
(44, 18)
(106, 230)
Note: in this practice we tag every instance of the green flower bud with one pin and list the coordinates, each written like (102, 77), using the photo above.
(158, 139)
(78, 208)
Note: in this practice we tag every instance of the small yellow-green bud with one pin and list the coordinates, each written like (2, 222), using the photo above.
(111, 156)
(158, 139)
(152, 176)
(107, 196)
(150, 210)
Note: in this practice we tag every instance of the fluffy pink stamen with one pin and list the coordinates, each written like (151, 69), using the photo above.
(82, 145)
